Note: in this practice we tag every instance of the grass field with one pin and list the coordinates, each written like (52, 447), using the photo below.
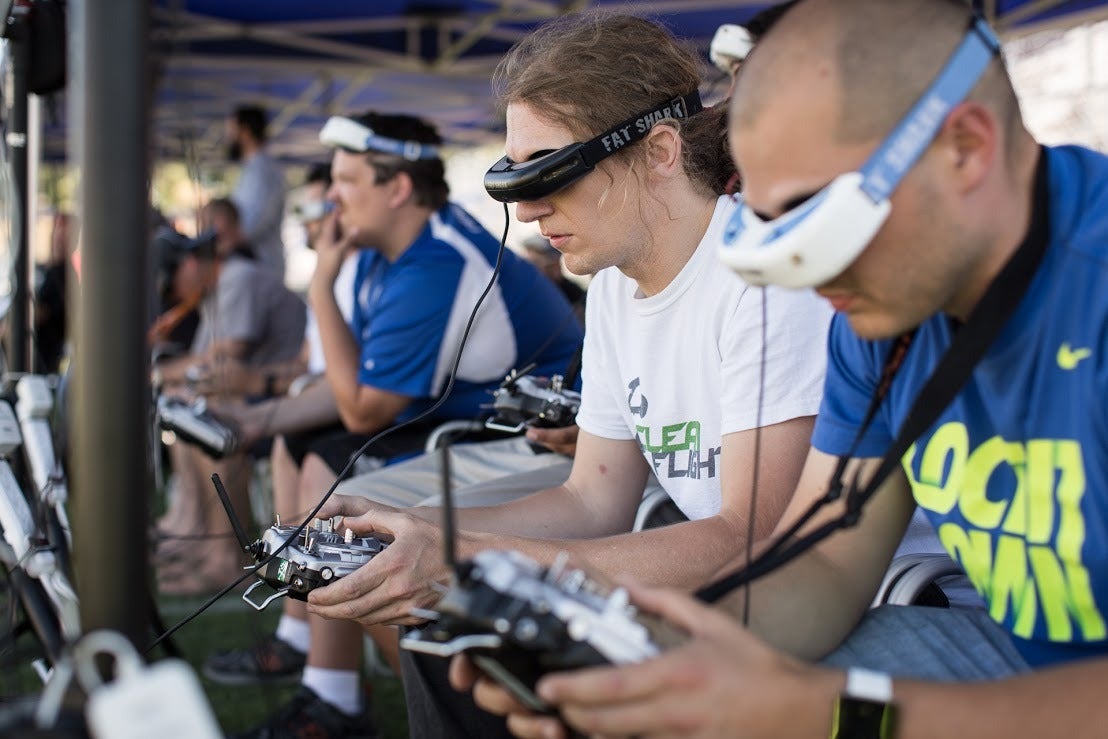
(232, 623)
(229, 623)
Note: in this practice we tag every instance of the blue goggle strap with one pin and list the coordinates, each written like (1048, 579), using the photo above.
(410, 150)
(899, 152)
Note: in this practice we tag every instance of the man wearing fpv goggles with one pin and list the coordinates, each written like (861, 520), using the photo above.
(1013, 472)
(422, 262)
(813, 242)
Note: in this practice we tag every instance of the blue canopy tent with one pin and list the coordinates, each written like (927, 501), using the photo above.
(307, 61)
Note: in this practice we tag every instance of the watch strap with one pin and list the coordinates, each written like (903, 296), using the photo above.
(865, 709)
(869, 685)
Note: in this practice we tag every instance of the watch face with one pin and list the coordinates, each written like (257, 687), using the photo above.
(858, 718)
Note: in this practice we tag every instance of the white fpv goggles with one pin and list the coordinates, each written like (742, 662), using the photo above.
(816, 241)
(311, 211)
(348, 134)
(729, 46)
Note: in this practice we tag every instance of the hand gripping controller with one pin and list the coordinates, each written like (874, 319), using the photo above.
(316, 558)
(193, 422)
(526, 400)
(518, 621)
(298, 563)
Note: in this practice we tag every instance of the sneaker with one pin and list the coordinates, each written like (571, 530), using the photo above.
(269, 661)
(307, 716)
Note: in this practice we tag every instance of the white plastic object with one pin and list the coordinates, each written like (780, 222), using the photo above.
(34, 397)
(162, 700)
(10, 437)
(729, 46)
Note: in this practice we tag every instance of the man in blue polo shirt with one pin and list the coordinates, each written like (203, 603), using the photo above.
(424, 263)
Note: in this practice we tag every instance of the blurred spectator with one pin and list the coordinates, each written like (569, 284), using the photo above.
(272, 379)
(247, 316)
(314, 208)
(259, 193)
(245, 313)
(177, 316)
(50, 302)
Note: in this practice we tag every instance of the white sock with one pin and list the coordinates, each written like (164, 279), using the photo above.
(294, 632)
(340, 688)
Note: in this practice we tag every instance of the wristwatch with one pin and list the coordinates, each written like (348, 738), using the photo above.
(270, 388)
(865, 709)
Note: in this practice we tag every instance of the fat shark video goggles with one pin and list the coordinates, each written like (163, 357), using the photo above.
(816, 241)
(550, 171)
(346, 133)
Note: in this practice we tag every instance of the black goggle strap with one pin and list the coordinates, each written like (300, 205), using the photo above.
(636, 128)
(953, 370)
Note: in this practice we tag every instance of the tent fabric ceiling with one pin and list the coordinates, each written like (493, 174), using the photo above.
(305, 61)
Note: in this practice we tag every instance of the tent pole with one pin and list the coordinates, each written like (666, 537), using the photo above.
(109, 125)
(19, 317)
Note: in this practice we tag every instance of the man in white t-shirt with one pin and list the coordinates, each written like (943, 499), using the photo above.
(673, 368)
(671, 383)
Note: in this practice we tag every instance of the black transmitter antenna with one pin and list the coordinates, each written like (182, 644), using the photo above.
(450, 550)
(236, 525)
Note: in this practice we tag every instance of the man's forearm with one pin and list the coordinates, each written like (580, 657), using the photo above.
(684, 555)
(173, 371)
(339, 349)
(314, 408)
(555, 513)
(806, 608)
(1050, 703)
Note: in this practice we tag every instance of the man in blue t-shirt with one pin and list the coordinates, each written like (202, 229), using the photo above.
(424, 262)
(1013, 474)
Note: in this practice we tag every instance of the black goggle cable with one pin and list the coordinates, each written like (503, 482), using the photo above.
(249, 571)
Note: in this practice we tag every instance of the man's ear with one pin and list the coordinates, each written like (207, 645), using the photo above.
(401, 189)
(971, 138)
(663, 149)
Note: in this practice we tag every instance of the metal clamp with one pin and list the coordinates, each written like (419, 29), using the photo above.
(267, 601)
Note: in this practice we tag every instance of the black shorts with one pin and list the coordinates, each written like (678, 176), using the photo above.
(335, 445)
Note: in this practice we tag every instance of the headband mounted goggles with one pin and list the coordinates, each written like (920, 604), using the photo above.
(348, 134)
(548, 172)
(729, 46)
(817, 240)
(312, 210)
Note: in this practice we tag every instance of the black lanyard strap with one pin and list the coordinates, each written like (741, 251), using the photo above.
(893, 361)
(970, 343)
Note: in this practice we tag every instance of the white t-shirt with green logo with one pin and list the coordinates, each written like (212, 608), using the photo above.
(680, 369)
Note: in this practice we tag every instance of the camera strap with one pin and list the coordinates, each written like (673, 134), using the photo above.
(968, 346)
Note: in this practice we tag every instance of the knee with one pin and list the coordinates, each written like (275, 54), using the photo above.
(315, 479)
(280, 455)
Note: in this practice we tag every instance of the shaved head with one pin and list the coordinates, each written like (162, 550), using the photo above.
(832, 79)
(879, 54)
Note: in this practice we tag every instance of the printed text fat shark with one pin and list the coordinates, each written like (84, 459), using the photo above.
(622, 136)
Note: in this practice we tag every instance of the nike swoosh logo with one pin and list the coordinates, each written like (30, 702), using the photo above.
(1069, 358)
